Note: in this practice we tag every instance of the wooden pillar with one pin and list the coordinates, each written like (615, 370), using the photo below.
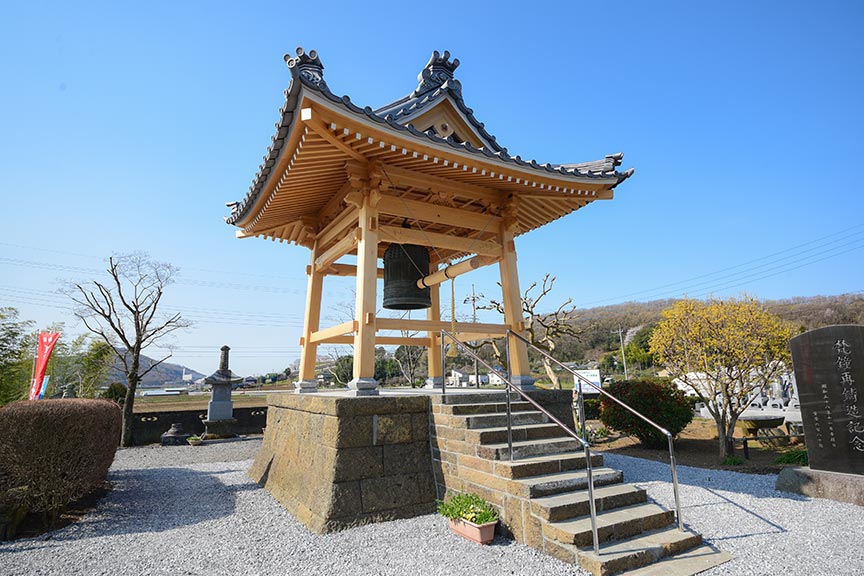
(311, 322)
(520, 371)
(433, 352)
(363, 383)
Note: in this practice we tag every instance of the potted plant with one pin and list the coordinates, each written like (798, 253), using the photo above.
(470, 516)
(194, 440)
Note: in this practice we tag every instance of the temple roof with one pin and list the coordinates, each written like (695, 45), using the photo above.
(426, 152)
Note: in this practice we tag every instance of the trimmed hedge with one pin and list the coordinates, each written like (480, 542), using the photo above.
(53, 452)
(658, 400)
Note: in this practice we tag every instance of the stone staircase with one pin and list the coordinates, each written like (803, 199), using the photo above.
(543, 494)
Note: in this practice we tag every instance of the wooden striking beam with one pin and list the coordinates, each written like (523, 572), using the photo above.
(344, 246)
(328, 333)
(425, 212)
(438, 325)
(456, 270)
(321, 129)
(432, 239)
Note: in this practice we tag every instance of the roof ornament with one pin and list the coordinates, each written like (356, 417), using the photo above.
(307, 66)
(438, 73)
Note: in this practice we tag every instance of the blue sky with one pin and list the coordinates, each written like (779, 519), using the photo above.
(127, 127)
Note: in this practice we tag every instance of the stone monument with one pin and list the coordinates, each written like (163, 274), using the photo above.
(220, 411)
(829, 371)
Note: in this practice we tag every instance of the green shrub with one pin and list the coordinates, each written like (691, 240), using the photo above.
(53, 452)
(797, 456)
(592, 409)
(655, 399)
(733, 461)
(467, 506)
(116, 392)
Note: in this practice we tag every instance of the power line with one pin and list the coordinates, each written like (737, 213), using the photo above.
(821, 243)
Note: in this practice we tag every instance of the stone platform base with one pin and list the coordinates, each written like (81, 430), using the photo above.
(214, 429)
(847, 488)
(337, 461)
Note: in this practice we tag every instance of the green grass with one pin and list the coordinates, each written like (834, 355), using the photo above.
(797, 456)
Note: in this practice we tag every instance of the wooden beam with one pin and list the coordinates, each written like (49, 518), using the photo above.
(512, 300)
(403, 177)
(432, 239)
(384, 340)
(345, 270)
(338, 330)
(344, 246)
(433, 350)
(332, 205)
(438, 325)
(364, 306)
(311, 320)
(456, 270)
(321, 129)
(338, 225)
(425, 212)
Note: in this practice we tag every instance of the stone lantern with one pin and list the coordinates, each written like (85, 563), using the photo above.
(220, 411)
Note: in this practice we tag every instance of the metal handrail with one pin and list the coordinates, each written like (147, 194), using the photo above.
(578, 377)
(586, 447)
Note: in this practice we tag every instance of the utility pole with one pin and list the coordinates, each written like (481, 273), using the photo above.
(474, 298)
(623, 356)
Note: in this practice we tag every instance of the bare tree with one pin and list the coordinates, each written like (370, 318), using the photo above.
(542, 329)
(124, 313)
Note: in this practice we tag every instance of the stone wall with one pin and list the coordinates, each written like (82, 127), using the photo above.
(337, 461)
(149, 426)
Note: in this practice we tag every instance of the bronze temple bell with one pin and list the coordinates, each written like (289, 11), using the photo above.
(404, 265)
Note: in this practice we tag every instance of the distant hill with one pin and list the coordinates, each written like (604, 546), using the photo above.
(165, 373)
(599, 326)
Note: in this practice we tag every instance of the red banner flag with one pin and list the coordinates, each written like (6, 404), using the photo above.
(47, 340)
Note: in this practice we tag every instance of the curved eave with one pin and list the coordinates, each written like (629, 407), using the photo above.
(324, 137)
(498, 162)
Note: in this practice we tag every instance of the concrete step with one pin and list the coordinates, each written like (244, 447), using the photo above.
(484, 408)
(529, 449)
(519, 433)
(559, 482)
(545, 465)
(573, 504)
(616, 524)
(693, 561)
(493, 420)
(629, 554)
(639, 551)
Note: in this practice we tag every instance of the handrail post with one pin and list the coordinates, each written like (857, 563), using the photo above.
(507, 396)
(593, 507)
(675, 482)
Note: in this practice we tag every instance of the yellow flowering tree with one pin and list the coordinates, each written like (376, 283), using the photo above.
(724, 350)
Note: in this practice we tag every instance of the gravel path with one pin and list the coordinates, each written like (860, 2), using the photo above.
(183, 511)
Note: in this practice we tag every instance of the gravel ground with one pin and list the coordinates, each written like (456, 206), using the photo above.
(184, 510)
